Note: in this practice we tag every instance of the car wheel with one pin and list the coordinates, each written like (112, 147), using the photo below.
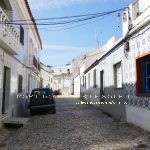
(54, 110)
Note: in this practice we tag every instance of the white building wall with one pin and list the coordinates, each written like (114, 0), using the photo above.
(138, 108)
(63, 82)
(137, 111)
(131, 12)
(47, 78)
(133, 108)
(62, 69)
(77, 86)
(16, 69)
(18, 66)
(93, 94)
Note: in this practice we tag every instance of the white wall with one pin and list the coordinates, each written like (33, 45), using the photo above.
(144, 8)
(62, 69)
(93, 94)
(17, 106)
(138, 116)
(64, 82)
(77, 86)
(46, 78)
(137, 112)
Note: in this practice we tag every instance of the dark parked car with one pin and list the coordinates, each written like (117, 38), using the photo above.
(42, 99)
(57, 92)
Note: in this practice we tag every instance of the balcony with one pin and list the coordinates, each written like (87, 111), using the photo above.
(9, 38)
(34, 64)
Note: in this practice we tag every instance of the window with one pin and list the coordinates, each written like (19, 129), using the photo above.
(94, 78)
(21, 35)
(143, 75)
(20, 84)
(68, 71)
(89, 80)
(146, 70)
(139, 7)
(41, 93)
(118, 75)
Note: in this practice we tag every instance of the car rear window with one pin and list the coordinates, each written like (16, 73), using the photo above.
(42, 92)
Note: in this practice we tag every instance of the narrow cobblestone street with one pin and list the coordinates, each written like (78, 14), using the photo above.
(75, 127)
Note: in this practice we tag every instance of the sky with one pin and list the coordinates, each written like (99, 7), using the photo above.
(61, 45)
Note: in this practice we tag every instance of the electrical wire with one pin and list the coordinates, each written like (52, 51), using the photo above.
(62, 29)
(57, 23)
(66, 17)
(66, 21)
(47, 29)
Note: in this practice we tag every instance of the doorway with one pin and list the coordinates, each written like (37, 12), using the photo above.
(6, 90)
(102, 86)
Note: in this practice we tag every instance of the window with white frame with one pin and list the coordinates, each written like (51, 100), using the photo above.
(118, 75)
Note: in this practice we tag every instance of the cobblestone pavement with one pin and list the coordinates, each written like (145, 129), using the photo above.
(76, 127)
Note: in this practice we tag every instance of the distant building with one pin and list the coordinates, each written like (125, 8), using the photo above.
(83, 62)
(46, 76)
(62, 79)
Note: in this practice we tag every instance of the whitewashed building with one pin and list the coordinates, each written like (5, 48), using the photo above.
(63, 79)
(119, 82)
(46, 76)
(19, 57)
(137, 63)
(76, 75)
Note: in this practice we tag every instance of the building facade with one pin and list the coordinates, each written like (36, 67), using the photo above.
(63, 79)
(118, 82)
(46, 76)
(137, 64)
(19, 57)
